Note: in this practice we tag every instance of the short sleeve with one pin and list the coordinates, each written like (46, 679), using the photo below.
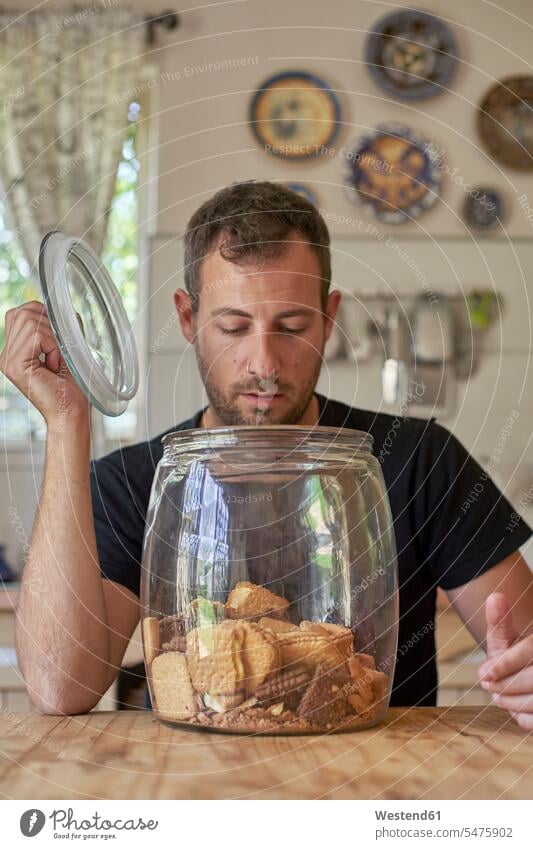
(118, 524)
(465, 523)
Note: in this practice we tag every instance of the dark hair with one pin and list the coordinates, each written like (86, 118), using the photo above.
(252, 220)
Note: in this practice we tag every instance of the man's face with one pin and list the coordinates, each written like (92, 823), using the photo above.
(267, 318)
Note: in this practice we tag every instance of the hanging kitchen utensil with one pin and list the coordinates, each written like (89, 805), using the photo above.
(89, 322)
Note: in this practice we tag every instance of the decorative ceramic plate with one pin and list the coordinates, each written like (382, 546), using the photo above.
(411, 55)
(304, 190)
(295, 115)
(505, 122)
(484, 209)
(394, 172)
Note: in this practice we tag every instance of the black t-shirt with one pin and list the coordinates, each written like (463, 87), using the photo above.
(451, 522)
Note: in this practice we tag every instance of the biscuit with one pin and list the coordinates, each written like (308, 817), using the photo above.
(260, 654)
(305, 647)
(277, 626)
(220, 704)
(173, 694)
(231, 657)
(150, 638)
(176, 643)
(171, 627)
(313, 628)
(287, 685)
(215, 665)
(366, 660)
(380, 683)
(250, 601)
(324, 701)
(341, 636)
(362, 679)
(357, 702)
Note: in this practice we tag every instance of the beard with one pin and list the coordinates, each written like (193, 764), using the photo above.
(226, 403)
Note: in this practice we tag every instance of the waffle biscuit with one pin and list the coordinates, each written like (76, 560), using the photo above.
(324, 701)
(250, 601)
(173, 694)
(287, 685)
(150, 638)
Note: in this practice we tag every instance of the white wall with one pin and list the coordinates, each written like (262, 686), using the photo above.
(204, 142)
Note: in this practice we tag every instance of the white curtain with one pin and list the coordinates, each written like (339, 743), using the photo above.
(66, 79)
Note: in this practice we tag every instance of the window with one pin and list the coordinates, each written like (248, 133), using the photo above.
(19, 420)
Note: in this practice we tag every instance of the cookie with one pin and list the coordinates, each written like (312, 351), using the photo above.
(173, 694)
(251, 601)
(342, 637)
(305, 647)
(366, 660)
(287, 685)
(277, 626)
(324, 701)
(313, 628)
(357, 703)
(171, 627)
(380, 683)
(214, 659)
(150, 638)
(231, 657)
(362, 679)
(221, 704)
(177, 643)
(260, 654)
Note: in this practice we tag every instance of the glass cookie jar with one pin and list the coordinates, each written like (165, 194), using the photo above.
(269, 583)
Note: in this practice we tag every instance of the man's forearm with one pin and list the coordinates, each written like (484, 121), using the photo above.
(62, 634)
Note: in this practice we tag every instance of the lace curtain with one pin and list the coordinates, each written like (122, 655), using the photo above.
(66, 80)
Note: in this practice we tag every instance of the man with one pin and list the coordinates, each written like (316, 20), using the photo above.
(258, 311)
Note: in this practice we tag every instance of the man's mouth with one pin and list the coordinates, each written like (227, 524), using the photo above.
(262, 399)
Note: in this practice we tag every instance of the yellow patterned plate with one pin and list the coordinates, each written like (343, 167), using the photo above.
(295, 115)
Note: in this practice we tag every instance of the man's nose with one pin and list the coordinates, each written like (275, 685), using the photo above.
(263, 359)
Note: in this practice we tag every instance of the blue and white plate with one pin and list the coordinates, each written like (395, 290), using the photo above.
(394, 172)
(484, 209)
(411, 55)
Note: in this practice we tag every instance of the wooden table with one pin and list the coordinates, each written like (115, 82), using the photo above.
(418, 753)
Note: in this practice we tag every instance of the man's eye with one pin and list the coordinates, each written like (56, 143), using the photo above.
(293, 329)
(232, 331)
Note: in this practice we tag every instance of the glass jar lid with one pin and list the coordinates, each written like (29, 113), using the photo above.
(89, 322)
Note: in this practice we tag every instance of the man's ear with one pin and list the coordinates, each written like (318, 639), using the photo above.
(183, 304)
(332, 306)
